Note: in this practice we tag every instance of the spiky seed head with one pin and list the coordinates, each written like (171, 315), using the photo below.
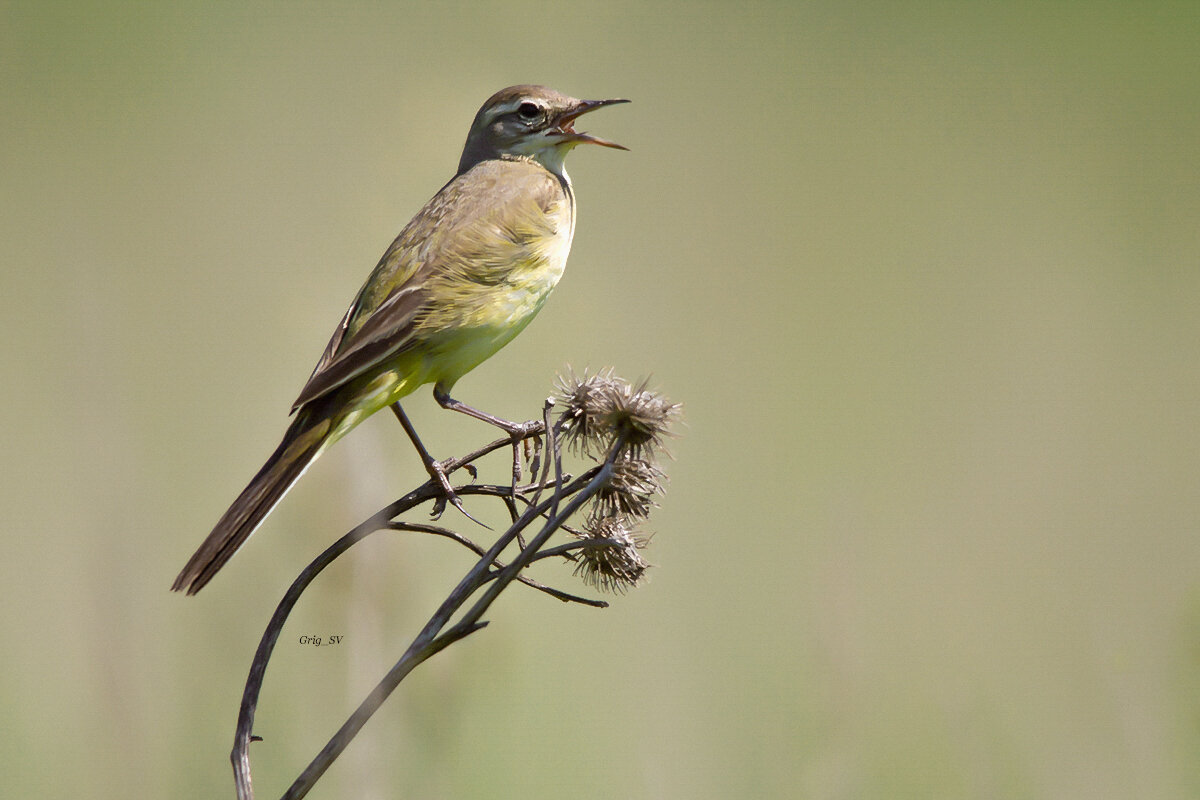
(615, 563)
(584, 403)
(641, 417)
(600, 408)
(631, 489)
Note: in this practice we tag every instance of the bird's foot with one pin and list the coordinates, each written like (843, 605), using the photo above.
(524, 430)
(437, 471)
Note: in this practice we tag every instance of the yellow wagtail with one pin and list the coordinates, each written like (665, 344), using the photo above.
(464, 277)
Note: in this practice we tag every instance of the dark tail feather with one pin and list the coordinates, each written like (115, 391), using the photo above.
(302, 443)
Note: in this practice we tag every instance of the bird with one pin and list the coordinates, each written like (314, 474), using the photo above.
(465, 276)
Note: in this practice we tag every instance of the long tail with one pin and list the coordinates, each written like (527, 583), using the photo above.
(304, 441)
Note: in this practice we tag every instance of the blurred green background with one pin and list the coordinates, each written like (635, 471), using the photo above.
(926, 276)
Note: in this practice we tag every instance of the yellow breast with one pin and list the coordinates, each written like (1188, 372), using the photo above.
(501, 276)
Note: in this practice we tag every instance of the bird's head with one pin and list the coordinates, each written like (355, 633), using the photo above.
(532, 122)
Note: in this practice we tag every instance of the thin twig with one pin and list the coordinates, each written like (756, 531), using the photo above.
(419, 527)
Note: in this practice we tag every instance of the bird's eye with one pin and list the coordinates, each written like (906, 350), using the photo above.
(529, 111)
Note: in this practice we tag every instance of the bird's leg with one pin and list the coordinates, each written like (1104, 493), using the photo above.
(517, 430)
(434, 467)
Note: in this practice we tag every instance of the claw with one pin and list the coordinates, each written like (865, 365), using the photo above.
(439, 508)
(533, 455)
(454, 501)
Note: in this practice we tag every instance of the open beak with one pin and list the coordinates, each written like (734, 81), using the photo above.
(566, 123)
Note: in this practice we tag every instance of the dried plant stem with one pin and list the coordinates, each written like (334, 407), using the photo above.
(606, 419)
(437, 634)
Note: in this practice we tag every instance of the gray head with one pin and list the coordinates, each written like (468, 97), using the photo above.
(530, 122)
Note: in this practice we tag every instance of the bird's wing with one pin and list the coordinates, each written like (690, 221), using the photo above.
(465, 232)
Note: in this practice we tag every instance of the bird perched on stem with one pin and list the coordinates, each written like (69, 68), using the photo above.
(464, 277)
